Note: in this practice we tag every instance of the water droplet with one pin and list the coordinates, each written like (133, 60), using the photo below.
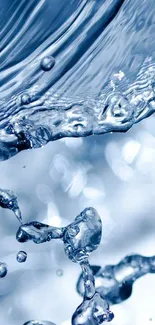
(47, 63)
(3, 270)
(25, 99)
(59, 272)
(21, 256)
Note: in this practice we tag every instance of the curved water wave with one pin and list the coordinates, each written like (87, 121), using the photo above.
(103, 76)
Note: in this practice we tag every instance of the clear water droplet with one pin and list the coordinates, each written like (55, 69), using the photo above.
(25, 99)
(59, 272)
(47, 63)
(21, 256)
(3, 270)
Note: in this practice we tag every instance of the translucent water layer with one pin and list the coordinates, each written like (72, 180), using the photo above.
(74, 68)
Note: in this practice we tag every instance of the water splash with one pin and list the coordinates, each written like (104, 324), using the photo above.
(114, 282)
(92, 88)
(8, 200)
(80, 238)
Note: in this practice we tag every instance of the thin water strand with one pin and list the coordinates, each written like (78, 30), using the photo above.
(115, 282)
(38, 232)
(8, 200)
(94, 309)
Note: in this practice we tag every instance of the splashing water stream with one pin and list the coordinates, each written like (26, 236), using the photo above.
(57, 79)
(75, 68)
(80, 238)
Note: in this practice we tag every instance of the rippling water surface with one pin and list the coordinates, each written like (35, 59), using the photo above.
(102, 79)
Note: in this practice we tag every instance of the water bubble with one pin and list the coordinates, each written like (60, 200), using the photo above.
(21, 256)
(38, 322)
(59, 272)
(25, 99)
(3, 270)
(47, 63)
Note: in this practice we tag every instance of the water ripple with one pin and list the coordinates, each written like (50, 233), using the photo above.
(102, 80)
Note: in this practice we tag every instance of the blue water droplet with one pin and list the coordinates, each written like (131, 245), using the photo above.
(21, 256)
(47, 63)
(25, 99)
(3, 270)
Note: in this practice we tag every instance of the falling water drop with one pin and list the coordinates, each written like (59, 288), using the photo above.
(47, 63)
(3, 270)
(21, 256)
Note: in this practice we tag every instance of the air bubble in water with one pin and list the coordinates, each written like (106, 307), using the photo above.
(25, 99)
(3, 270)
(21, 256)
(47, 63)
(38, 322)
(59, 272)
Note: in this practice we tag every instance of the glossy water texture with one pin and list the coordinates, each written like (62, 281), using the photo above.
(101, 79)
(114, 282)
(3, 270)
(21, 256)
(8, 200)
(80, 238)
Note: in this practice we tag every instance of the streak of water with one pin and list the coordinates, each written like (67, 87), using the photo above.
(9, 201)
(114, 282)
